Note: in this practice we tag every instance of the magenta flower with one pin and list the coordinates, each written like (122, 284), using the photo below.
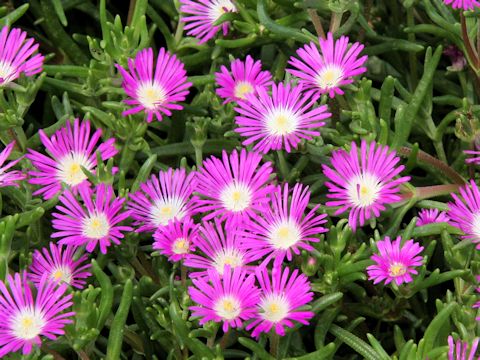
(233, 188)
(456, 57)
(460, 350)
(163, 198)
(463, 4)
(281, 296)
(59, 265)
(464, 212)
(243, 79)
(395, 262)
(176, 239)
(9, 178)
(16, 55)
(218, 248)
(363, 186)
(335, 65)
(279, 121)
(230, 299)
(475, 159)
(27, 315)
(202, 14)
(430, 216)
(69, 149)
(154, 93)
(285, 226)
(93, 222)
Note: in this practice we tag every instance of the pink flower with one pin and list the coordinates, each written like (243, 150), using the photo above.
(154, 93)
(429, 216)
(463, 4)
(233, 188)
(475, 159)
(243, 79)
(16, 55)
(69, 149)
(363, 185)
(464, 212)
(27, 315)
(281, 296)
(230, 299)
(394, 261)
(9, 178)
(163, 198)
(59, 266)
(94, 222)
(202, 14)
(285, 227)
(334, 66)
(176, 239)
(460, 350)
(279, 121)
(217, 247)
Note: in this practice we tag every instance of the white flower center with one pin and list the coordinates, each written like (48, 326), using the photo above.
(228, 307)
(167, 209)
(180, 246)
(363, 190)
(228, 256)
(220, 7)
(476, 226)
(274, 307)
(329, 77)
(28, 323)
(6, 71)
(397, 269)
(284, 234)
(62, 273)
(236, 197)
(69, 168)
(150, 95)
(280, 122)
(242, 88)
(96, 226)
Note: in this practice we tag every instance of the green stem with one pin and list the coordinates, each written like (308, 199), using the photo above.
(443, 167)
(179, 31)
(412, 58)
(56, 33)
(224, 340)
(198, 156)
(211, 339)
(427, 192)
(183, 274)
(274, 344)
(131, 10)
(335, 22)
(317, 22)
(471, 52)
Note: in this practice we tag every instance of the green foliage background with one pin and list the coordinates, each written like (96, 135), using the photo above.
(134, 307)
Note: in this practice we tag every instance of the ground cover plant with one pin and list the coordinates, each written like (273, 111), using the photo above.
(239, 179)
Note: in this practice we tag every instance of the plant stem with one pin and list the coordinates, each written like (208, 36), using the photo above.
(471, 52)
(317, 22)
(429, 159)
(427, 192)
(183, 274)
(198, 156)
(274, 342)
(211, 339)
(335, 22)
(224, 339)
(131, 10)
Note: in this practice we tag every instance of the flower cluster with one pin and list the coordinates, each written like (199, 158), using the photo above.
(233, 226)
